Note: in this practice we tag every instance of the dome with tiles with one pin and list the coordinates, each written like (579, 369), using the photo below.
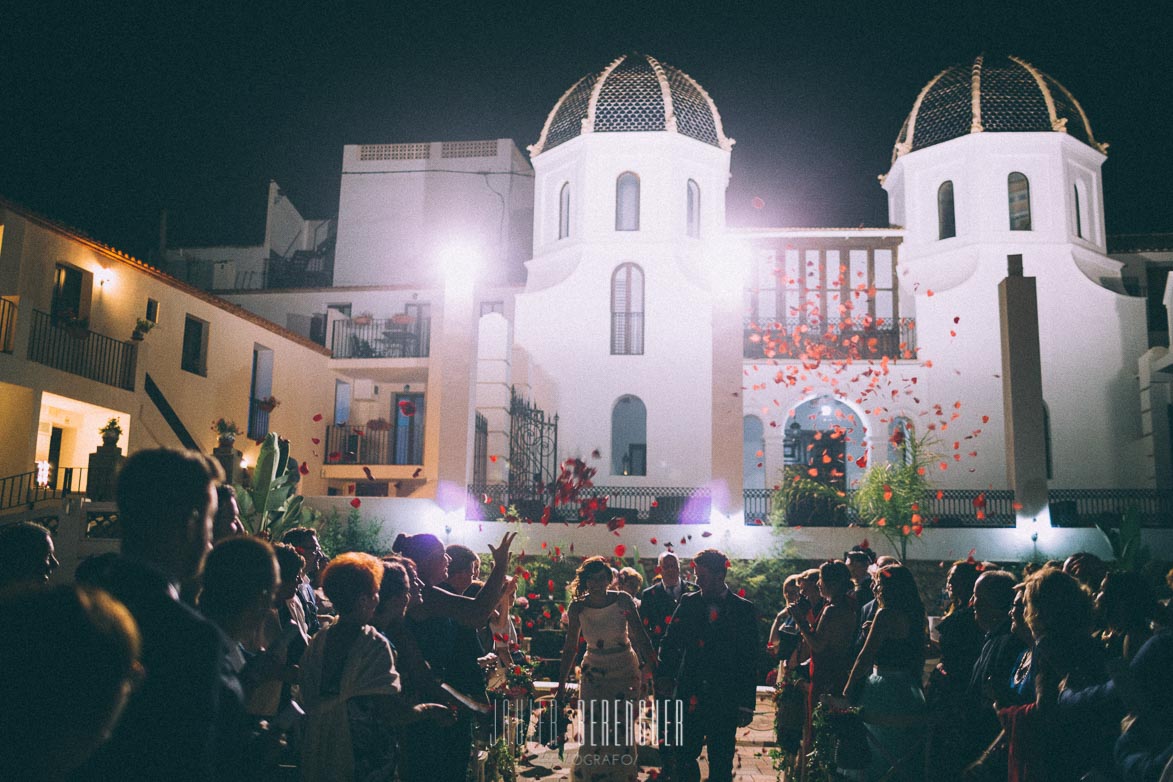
(636, 92)
(993, 94)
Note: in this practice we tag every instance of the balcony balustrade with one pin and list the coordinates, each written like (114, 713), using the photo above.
(367, 446)
(805, 339)
(633, 504)
(70, 346)
(381, 338)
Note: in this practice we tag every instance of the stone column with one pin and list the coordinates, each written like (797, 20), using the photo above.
(1022, 394)
(727, 405)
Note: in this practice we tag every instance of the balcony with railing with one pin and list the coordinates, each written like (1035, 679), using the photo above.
(955, 508)
(373, 446)
(7, 325)
(809, 339)
(68, 344)
(633, 504)
(394, 337)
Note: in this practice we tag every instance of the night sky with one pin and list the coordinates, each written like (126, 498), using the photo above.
(110, 112)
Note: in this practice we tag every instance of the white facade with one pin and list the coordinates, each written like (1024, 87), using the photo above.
(402, 205)
(633, 319)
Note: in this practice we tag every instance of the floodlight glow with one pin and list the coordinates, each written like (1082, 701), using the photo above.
(825, 411)
(461, 264)
(728, 262)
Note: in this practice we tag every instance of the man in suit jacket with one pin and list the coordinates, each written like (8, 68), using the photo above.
(172, 727)
(708, 659)
(659, 601)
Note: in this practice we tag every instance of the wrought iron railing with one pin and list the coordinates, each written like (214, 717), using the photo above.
(24, 489)
(258, 419)
(383, 338)
(953, 508)
(633, 504)
(1084, 507)
(79, 351)
(807, 339)
(364, 445)
(7, 325)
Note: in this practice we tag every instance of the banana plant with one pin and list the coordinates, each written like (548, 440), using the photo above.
(270, 506)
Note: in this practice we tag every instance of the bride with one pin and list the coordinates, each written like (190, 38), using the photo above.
(609, 684)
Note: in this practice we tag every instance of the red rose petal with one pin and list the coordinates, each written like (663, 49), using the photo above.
(355, 502)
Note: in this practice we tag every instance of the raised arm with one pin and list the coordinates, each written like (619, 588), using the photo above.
(470, 611)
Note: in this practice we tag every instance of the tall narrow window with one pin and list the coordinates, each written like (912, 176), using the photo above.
(152, 313)
(409, 429)
(262, 389)
(694, 209)
(564, 211)
(627, 311)
(753, 452)
(1048, 452)
(629, 438)
(67, 293)
(627, 202)
(341, 403)
(900, 447)
(946, 222)
(194, 357)
(1083, 222)
(1018, 197)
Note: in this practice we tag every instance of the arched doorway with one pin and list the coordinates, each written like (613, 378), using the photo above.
(827, 437)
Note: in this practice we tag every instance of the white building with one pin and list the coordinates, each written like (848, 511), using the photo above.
(689, 361)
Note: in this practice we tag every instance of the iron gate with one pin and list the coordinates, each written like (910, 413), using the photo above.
(533, 450)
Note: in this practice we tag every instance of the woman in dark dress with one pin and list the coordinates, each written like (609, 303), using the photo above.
(886, 680)
(960, 644)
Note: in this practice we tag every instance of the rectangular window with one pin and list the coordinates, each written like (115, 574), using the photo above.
(341, 403)
(194, 358)
(67, 290)
(152, 313)
(409, 429)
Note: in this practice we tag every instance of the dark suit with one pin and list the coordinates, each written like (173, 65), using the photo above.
(710, 649)
(169, 729)
(656, 606)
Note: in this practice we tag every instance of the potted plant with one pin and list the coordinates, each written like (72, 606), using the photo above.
(141, 327)
(268, 404)
(402, 319)
(378, 425)
(226, 430)
(111, 432)
(363, 319)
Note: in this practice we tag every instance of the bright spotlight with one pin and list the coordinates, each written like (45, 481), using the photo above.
(461, 264)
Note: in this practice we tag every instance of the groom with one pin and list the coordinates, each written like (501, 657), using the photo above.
(707, 658)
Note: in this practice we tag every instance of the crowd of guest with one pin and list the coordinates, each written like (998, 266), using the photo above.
(198, 652)
(1062, 674)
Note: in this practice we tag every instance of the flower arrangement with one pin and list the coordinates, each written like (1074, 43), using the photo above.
(378, 425)
(112, 428)
(227, 430)
(268, 403)
(402, 319)
(363, 319)
(519, 681)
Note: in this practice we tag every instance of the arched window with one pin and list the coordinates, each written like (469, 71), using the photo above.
(629, 436)
(564, 211)
(627, 311)
(1018, 197)
(694, 209)
(753, 452)
(946, 223)
(627, 202)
